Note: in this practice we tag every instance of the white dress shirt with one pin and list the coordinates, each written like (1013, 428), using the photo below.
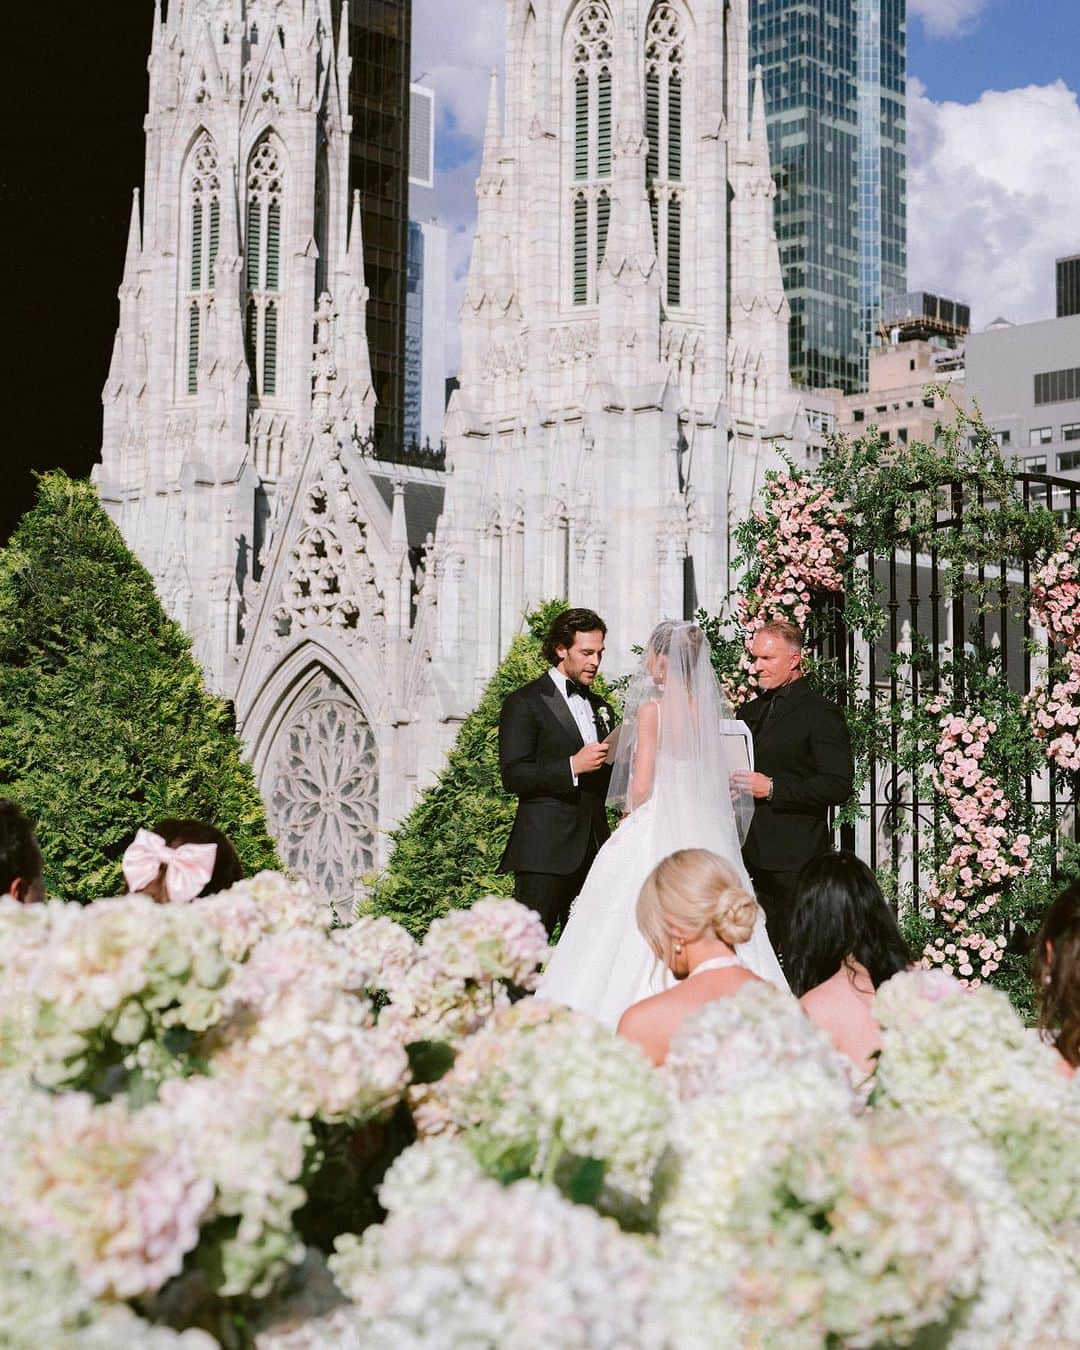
(580, 710)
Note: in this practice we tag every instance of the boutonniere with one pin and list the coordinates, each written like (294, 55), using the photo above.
(603, 717)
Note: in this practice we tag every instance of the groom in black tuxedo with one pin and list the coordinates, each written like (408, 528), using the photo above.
(551, 759)
(803, 765)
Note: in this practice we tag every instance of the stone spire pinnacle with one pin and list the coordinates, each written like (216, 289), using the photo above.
(759, 135)
(134, 244)
(492, 134)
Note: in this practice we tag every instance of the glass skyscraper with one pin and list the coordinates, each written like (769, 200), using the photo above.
(380, 44)
(835, 75)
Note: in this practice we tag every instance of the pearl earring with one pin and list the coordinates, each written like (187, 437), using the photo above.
(678, 949)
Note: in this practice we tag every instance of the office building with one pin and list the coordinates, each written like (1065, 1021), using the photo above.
(1026, 380)
(1068, 286)
(835, 83)
(425, 290)
(380, 44)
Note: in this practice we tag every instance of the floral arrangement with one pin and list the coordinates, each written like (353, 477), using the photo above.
(1054, 707)
(116, 975)
(465, 969)
(515, 1267)
(855, 1235)
(800, 550)
(541, 1181)
(548, 1093)
(983, 860)
(964, 1054)
(758, 1033)
(292, 1024)
(119, 1189)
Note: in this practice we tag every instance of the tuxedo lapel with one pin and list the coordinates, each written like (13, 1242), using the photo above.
(556, 707)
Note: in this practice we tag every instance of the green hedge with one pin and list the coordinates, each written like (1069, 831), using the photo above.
(105, 724)
(447, 852)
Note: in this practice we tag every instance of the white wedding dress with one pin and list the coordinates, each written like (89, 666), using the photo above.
(602, 964)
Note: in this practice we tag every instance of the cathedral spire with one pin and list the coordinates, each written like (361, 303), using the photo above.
(492, 135)
(134, 245)
(759, 134)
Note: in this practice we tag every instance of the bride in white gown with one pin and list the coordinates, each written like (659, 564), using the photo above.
(671, 780)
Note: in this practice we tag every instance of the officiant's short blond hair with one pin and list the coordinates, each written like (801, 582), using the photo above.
(790, 633)
(693, 893)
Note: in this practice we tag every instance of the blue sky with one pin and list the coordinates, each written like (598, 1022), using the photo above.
(1006, 44)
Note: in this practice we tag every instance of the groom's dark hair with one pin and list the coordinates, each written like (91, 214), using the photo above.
(563, 627)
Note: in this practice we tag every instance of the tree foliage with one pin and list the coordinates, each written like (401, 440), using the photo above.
(105, 723)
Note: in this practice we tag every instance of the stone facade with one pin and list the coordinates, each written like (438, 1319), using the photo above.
(624, 382)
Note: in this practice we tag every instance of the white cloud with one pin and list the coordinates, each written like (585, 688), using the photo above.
(456, 43)
(993, 197)
(946, 18)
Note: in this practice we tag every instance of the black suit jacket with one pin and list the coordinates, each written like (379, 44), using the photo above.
(806, 751)
(555, 821)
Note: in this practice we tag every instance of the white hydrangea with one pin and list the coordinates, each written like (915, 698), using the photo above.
(255, 1157)
(259, 907)
(758, 1033)
(540, 1089)
(381, 953)
(465, 968)
(505, 1268)
(429, 1172)
(44, 1306)
(718, 1141)
(311, 1046)
(1029, 1285)
(117, 973)
(948, 1051)
(855, 1235)
(118, 1189)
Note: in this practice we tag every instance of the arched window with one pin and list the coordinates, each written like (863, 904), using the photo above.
(262, 264)
(203, 216)
(665, 43)
(590, 101)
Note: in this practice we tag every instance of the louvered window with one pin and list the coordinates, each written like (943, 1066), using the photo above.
(591, 98)
(665, 67)
(262, 265)
(193, 349)
(202, 190)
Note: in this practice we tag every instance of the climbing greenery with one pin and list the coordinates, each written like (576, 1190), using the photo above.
(446, 854)
(105, 723)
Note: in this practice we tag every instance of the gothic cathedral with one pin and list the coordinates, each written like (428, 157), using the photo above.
(624, 381)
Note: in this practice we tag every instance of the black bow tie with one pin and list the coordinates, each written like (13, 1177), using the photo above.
(572, 688)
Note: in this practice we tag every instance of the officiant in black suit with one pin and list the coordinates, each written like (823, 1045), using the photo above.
(551, 758)
(802, 766)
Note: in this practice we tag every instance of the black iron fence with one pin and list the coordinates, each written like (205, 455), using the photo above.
(933, 610)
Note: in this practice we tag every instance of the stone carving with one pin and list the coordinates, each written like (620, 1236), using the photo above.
(324, 796)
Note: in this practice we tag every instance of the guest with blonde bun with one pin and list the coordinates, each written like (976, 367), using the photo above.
(693, 911)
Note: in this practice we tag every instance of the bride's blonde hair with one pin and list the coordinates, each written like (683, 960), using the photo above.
(693, 893)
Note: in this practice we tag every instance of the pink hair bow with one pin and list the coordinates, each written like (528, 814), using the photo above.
(187, 868)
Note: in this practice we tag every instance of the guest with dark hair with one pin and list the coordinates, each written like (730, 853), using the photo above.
(181, 860)
(844, 944)
(1057, 975)
(21, 866)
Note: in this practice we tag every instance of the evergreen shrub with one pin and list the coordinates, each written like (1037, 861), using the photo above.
(105, 723)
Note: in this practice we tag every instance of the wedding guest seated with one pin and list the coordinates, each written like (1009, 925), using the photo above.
(21, 866)
(180, 860)
(692, 911)
(844, 944)
(1057, 976)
